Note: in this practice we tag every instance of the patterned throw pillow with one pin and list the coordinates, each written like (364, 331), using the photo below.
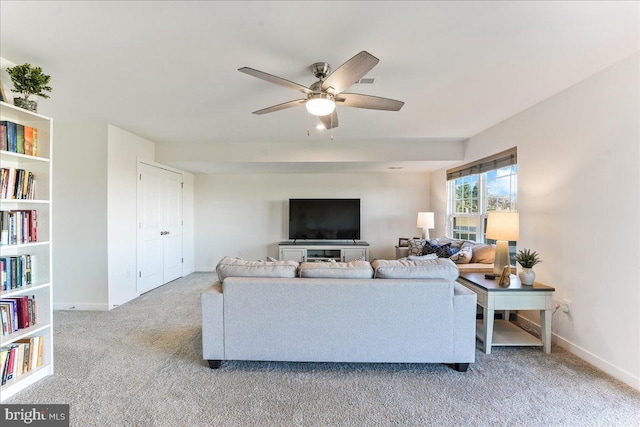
(443, 251)
(464, 255)
(416, 246)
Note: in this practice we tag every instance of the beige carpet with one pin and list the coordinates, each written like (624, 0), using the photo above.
(140, 365)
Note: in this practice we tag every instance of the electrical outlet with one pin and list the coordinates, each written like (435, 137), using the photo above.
(566, 305)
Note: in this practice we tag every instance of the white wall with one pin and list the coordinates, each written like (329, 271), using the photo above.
(94, 208)
(79, 216)
(245, 215)
(579, 181)
(124, 149)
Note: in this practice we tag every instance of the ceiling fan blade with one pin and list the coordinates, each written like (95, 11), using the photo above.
(330, 121)
(349, 73)
(282, 106)
(357, 100)
(275, 79)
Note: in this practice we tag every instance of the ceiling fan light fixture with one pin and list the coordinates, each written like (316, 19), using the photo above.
(320, 104)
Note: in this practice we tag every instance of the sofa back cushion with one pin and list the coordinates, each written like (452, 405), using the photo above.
(235, 267)
(337, 270)
(440, 268)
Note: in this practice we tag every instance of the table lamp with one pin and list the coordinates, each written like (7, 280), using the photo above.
(502, 227)
(425, 221)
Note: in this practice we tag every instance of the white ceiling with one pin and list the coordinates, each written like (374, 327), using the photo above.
(167, 71)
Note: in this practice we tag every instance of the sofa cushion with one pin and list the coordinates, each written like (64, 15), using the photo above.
(236, 267)
(483, 253)
(440, 268)
(422, 257)
(337, 270)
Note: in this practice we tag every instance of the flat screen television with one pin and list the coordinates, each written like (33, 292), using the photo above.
(324, 219)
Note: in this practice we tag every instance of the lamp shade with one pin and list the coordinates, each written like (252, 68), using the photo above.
(503, 226)
(320, 104)
(425, 220)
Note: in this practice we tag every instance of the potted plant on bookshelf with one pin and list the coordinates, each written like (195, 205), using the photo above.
(28, 80)
(527, 259)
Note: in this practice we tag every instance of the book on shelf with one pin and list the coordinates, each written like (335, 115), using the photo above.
(28, 353)
(11, 308)
(4, 318)
(19, 138)
(17, 184)
(21, 357)
(3, 136)
(12, 142)
(28, 140)
(4, 354)
(20, 313)
(34, 147)
(21, 226)
(11, 360)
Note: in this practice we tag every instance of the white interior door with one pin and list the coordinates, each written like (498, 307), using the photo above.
(172, 219)
(159, 227)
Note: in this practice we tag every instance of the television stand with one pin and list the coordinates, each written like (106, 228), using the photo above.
(316, 251)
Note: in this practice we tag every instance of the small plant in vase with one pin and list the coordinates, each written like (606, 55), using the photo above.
(27, 81)
(527, 259)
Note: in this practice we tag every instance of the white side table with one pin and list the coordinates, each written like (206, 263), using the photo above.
(492, 297)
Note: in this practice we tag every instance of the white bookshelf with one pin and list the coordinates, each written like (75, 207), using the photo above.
(41, 286)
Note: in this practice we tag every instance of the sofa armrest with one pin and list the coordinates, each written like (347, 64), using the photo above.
(402, 252)
(213, 323)
(464, 324)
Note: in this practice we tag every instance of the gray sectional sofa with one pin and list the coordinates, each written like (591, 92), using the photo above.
(383, 312)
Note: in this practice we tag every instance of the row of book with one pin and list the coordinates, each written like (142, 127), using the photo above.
(21, 357)
(17, 184)
(18, 313)
(18, 227)
(16, 271)
(18, 138)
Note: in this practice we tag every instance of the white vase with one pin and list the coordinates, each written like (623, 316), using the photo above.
(527, 276)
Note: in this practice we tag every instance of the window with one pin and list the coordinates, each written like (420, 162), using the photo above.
(473, 190)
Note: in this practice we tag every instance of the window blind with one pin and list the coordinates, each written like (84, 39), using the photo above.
(505, 158)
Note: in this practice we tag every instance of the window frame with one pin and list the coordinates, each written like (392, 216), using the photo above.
(482, 214)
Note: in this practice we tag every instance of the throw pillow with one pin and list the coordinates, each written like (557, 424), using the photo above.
(271, 259)
(464, 255)
(484, 254)
(416, 246)
(442, 251)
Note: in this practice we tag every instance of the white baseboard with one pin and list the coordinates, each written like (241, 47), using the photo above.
(589, 357)
(205, 269)
(80, 306)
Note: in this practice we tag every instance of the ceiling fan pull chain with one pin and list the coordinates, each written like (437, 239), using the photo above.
(332, 127)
